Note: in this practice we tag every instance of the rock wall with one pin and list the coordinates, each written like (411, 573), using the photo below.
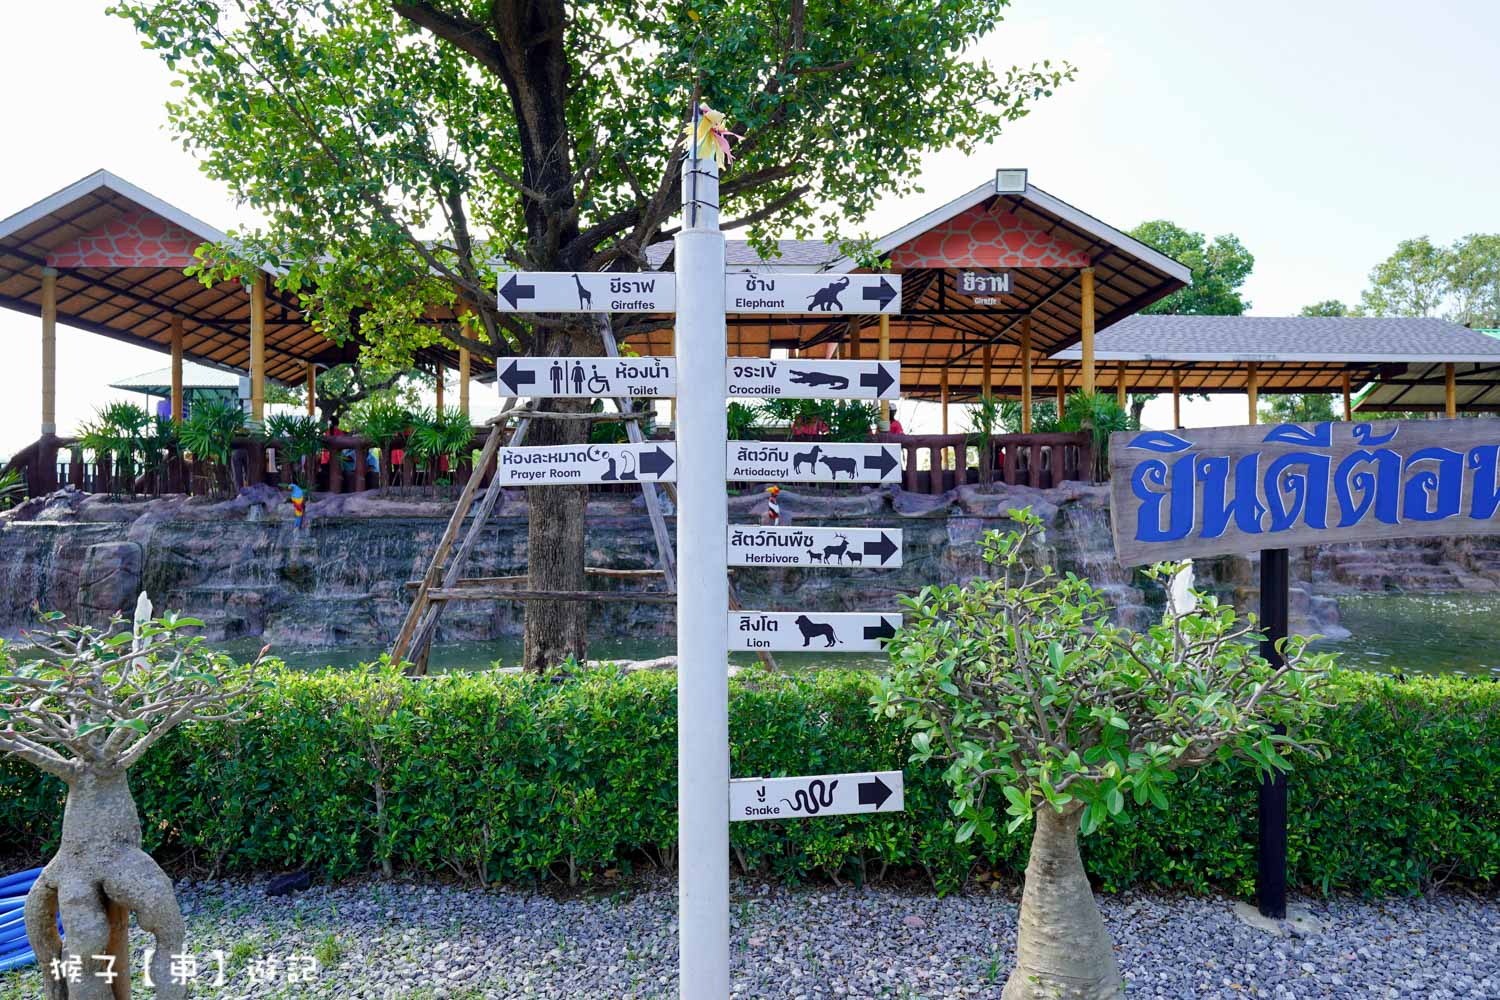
(243, 567)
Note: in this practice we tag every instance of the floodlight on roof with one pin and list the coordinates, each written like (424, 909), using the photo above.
(1010, 180)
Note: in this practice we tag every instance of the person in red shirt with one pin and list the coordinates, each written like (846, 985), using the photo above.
(896, 427)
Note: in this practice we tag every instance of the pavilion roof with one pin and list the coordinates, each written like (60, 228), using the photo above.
(194, 377)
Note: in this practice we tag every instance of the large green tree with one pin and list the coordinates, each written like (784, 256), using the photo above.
(1473, 272)
(401, 150)
(1219, 265)
(1328, 307)
(1412, 281)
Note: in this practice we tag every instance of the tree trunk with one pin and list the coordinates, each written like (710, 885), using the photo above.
(1063, 951)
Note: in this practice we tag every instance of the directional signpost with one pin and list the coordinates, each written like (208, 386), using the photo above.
(587, 292)
(819, 462)
(870, 548)
(811, 631)
(572, 464)
(850, 294)
(594, 378)
(815, 379)
(816, 795)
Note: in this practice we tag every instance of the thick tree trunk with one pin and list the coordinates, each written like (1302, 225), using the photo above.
(1063, 951)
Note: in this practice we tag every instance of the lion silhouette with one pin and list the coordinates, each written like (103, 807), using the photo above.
(811, 630)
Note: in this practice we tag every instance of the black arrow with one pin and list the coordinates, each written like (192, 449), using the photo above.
(654, 463)
(880, 380)
(884, 548)
(515, 376)
(881, 461)
(514, 291)
(882, 293)
(874, 792)
(885, 631)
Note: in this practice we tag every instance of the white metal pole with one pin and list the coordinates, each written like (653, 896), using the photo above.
(702, 591)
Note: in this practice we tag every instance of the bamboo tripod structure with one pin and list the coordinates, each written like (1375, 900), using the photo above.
(444, 580)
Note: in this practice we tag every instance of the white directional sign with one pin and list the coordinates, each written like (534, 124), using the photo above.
(790, 462)
(652, 461)
(789, 631)
(815, 379)
(593, 378)
(586, 292)
(838, 294)
(754, 545)
(816, 795)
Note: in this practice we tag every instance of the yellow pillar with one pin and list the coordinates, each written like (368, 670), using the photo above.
(176, 369)
(1122, 399)
(1025, 374)
(463, 380)
(258, 348)
(1252, 391)
(885, 355)
(1348, 399)
(1450, 390)
(312, 389)
(944, 382)
(439, 378)
(1177, 399)
(1086, 327)
(49, 350)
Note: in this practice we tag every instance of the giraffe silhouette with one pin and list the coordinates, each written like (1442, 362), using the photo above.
(585, 297)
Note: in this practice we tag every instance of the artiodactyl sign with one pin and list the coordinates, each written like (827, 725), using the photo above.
(815, 379)
(816, 795)
(652, 461)
(789, 462)
(1215, 490)
(846, 294)
(869, 548)
(790, 631)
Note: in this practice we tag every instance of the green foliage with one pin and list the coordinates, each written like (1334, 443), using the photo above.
(381, 418)
(1328, 307)
(840, 420)
(740, 418)
(1220, 266)
(986, 416)
(298, 436)
(119, 430)
(502, 776)
(851, 420)
(448, 434)
(1296, 408)
(1022, 682)
(1043, 416)
(1460, 282)
(12, 488)
(613, 431)
(1098, 413)
(209, 431)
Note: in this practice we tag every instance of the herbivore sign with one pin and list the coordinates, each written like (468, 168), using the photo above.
(701, 378)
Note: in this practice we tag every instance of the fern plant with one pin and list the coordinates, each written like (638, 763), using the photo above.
(298, 436)
(117, 430)
(1100, 415)
(208, 433)
(447, 434)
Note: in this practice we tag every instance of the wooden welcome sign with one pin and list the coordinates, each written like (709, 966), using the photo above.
(1179, 494)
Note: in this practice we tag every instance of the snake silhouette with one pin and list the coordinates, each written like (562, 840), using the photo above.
(816, 796)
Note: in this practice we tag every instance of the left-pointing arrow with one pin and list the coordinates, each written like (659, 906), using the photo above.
(655, 463)
(882, 293)
(514, 291)
(884, 632)
(515, 376)
(881, 461)
(880, 380)
(874, 792)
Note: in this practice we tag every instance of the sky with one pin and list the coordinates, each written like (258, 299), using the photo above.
(1321, 132)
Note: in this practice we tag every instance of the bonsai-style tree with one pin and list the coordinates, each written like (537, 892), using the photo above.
(84, 705)
(1021, 683)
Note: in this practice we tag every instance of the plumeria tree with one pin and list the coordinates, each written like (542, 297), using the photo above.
(84, 705)
(1023, 687)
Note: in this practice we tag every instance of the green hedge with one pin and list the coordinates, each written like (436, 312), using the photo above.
(505, 777)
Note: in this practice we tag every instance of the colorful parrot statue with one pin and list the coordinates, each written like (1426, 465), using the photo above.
(773, 505)
(298, 500)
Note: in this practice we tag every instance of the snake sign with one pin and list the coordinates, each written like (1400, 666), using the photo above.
(834, 294)
(847, 548)
(753, 799)
(798, 379)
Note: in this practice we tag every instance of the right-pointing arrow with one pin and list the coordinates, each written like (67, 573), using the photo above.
(884, 632)
(880, 380)
(655, 463)
(515, 376)
(874, 792)
(881, 460)
(882, 293)
(882, 547)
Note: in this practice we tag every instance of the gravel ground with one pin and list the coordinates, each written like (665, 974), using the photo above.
(373, 939)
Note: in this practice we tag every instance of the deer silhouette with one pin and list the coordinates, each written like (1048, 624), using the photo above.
(585, 297)
(836, 551)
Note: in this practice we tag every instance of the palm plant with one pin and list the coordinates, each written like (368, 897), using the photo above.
(12, 489)
(209, 432)
(851, 420)
(985, 417)
(1100, 415)
(444, 434)
(382, 419)
(117, 431)
(740, 419)
(298, 437)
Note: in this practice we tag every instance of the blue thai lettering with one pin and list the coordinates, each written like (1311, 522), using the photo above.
(1381, 488)
(1483, 460)
(1292, 495)
(1431, 495)
(1243, 505)
(1153, 472)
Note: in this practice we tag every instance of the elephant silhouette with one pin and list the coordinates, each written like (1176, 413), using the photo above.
(827, 299)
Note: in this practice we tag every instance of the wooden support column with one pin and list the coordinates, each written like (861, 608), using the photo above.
(312, 389)
(1252, 392)
(885, 355)
(986, 391)
(1122, 397)
(1450, 390)
(177, 369)
(944, 384)
(258, 349)
(1348, 399)
(464, 365)
(1086, 327)
(49, 351)
(439, 378)
(1025, 374)
(1062, 393)
(854, 339)
(1176, 399)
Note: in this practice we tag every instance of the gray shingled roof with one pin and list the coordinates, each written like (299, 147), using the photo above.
(812, 254)
(1368, 339)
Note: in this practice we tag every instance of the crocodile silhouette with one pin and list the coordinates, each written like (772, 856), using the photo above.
(819, 379)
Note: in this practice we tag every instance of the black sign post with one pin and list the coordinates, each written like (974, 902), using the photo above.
(1270, 877)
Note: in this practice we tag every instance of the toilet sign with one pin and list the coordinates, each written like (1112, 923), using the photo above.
(591, 378)
(835, 548)
(812, 631)
(571, 464)
(816, 795)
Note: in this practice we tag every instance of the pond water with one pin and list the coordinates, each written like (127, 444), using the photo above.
(1413, 633)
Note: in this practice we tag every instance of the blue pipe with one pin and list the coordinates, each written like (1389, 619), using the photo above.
(15, 949)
